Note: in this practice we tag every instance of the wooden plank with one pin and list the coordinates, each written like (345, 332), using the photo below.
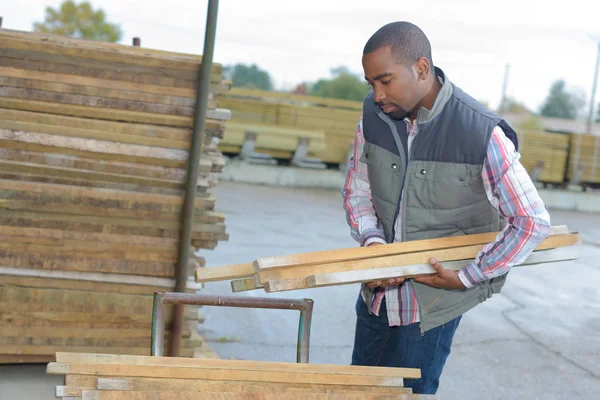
(102, 77)
(145, 201)
(227, 272)
(239, 365)
(213, 127)
(340, 278)
(216, 374)
(116, 341)
(183, 385)
(81, 164)
(161, 156)
(25, 359)
(73, 391)
(89, 134)
(8, 331)
(418, 257)
(96, 51)
(98, 113)
(74, 261)
(120, 93)
(81, 380)
(50, 350)
(343, 395)
(86, 320)
(330, 256)
(98, 102)
(245, 284)
(28, 277)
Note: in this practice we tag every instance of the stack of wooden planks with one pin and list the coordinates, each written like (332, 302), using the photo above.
(366, 264)
(546, 150)
(589, 158)
(94, 141)
(108, 377)
(329, 124)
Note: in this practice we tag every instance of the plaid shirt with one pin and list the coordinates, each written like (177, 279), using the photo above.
(510, 191)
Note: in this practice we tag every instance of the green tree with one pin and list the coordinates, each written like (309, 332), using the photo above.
(248, 76)
(562, 103)
(343, 85)
(80, 21)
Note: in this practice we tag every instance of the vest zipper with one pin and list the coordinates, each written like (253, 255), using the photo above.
(400, 147)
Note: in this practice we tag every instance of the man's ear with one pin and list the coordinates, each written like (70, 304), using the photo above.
(422, 68)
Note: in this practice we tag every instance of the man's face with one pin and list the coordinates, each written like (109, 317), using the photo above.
(395, 86)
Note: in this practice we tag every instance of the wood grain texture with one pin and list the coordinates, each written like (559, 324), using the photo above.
(344, 395)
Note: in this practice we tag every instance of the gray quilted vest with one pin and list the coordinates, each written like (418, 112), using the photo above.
(439, 183)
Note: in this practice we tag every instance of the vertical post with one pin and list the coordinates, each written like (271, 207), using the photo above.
(192, 172)
(0, 22)
(137, 42)
(590, 119)
(504, 87)
(158, 325)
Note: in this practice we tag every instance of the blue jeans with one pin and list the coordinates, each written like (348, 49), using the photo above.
(377, 344)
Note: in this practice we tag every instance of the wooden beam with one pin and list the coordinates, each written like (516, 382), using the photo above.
(245, 284)
(183, 385)
(341, 278)
(418, 257)
(238, 365)
(330, 256)
(50, 350)
(344, 395)
(227, 272)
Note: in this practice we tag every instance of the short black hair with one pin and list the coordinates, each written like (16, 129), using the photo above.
(407, 42)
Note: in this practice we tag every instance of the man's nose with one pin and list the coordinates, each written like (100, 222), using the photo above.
(378, 94)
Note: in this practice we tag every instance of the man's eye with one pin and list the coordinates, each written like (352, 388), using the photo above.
(385, 82)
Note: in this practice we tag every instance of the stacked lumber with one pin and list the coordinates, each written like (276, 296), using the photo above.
(546, 150)
(286, 117)
(94, 141)
(589, 157)
(106, 377)
(367, 264)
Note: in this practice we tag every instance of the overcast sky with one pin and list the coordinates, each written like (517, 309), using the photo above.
(301, 40)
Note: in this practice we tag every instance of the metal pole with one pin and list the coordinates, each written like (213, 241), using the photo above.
(305, 306)
(158, 324)
(591, 113)
(192, 171)
(504, 86)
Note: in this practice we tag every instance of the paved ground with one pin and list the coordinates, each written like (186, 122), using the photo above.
(539, 339)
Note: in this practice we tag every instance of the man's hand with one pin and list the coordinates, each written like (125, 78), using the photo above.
(444, 279)
(386, 282)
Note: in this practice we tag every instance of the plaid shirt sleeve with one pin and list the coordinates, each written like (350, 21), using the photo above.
(511, 191)
(365, 227)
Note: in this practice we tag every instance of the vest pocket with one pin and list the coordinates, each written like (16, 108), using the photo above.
(441, 185)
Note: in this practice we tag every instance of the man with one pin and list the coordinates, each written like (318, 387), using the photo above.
(430, 162)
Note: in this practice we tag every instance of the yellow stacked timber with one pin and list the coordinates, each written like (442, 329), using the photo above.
(589, 157)
(94, 141)
(332, 122)
(367, 264)
(106, 377)
(546, 150)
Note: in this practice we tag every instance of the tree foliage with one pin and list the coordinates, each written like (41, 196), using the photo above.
(562, 103)
(251, 76)
(343, 85)
(80, 21)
